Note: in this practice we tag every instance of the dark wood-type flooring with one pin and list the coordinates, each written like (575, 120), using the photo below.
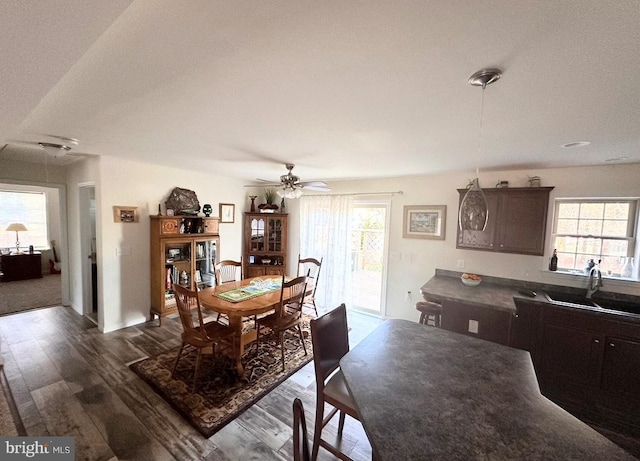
(68, 378)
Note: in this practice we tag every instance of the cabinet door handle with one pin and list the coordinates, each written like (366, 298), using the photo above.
(597, 341)
(515, 315)
(612, 345)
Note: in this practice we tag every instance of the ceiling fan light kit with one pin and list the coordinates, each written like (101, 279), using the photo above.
(474, 209)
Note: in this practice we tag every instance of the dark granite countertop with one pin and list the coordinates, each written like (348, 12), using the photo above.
(499, 293)
(435, 394)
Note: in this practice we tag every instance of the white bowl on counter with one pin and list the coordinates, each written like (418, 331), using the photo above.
(470, 282)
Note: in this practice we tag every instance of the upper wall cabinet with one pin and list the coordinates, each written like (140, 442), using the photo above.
(517, 221)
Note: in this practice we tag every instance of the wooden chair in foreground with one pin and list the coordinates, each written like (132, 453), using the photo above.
(204, 337)
(300, 440)
(330, 339)
(310, 266)
(288, 314)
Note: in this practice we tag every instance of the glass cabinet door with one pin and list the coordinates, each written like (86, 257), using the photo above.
(206, 258)
(257, 234)
(177, 264)
(275, 234)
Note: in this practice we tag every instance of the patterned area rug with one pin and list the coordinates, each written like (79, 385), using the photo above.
(220, 395)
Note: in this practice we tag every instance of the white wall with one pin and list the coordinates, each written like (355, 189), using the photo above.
(124, 280)
(413, 261)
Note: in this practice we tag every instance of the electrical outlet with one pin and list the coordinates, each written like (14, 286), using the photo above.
(473, 326)
(460, 264)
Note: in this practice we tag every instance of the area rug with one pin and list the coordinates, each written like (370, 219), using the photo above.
(221, 395)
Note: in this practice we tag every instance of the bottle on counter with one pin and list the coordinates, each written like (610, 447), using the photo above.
(553, 262)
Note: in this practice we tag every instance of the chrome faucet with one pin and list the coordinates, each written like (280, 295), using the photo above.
(595, 280)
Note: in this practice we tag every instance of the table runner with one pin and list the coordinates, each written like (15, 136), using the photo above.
(256, 288)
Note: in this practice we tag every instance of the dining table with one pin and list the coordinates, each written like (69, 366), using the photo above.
(240, 300)
(426, 393)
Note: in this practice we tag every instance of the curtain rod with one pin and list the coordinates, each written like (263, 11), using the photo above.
(399, 192)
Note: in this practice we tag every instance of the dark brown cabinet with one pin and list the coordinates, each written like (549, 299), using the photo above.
(516, 224)
(477, 321)
(524, 324)
(589, 362)
(21, 266)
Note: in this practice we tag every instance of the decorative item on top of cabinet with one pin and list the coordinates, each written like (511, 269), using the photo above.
(265, 244)
(181, 257)
(516, 224)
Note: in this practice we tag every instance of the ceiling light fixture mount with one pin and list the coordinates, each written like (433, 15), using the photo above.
(474, 209)
(54, 150)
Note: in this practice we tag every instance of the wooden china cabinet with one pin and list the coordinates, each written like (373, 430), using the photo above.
(265, 244)
(184, 251)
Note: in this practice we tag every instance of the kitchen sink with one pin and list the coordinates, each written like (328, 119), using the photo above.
(620, 306)
(569, 298)
(597, 302)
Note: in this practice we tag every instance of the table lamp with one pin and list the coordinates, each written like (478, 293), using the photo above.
(17, 227)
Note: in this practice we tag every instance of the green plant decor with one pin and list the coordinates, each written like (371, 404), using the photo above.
(270, 195)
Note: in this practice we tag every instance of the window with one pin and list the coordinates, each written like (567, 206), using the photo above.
(594, 229)
(28, 208)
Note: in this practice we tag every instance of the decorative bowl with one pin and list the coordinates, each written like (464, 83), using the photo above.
(471, 280)
(266, 261)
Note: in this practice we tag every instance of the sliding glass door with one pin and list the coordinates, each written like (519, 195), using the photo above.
(351, 235)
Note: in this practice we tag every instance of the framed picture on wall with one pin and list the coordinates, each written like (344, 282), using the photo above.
(125, 214)
(227, 212)
(424, 222)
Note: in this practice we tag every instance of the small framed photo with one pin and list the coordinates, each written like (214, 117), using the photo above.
(125, 214)
(198, 276)
(170, 212)
(227, 212)
(424, 222)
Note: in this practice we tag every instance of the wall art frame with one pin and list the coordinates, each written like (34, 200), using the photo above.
(125, 214)
(227, 212)
(424, 222)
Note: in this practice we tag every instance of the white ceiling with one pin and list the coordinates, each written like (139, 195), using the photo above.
(342, 89)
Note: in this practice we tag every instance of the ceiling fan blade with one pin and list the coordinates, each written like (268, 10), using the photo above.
(316, 188)
(312, 183)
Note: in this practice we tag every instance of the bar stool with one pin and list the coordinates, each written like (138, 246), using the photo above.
(429, 312)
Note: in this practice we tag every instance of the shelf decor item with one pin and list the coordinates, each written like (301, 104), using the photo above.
(183, 201)
(270, 197)
(206, 209)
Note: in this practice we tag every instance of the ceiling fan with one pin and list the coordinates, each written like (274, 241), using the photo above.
(291, 186)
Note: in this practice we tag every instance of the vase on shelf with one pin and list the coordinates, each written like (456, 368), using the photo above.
(628, 268)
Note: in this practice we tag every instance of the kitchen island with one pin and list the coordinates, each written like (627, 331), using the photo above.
(434, 394)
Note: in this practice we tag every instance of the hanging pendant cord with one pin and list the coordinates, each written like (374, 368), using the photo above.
(484, 85)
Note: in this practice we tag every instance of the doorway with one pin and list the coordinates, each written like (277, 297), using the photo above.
(87, 201)
(369, 242)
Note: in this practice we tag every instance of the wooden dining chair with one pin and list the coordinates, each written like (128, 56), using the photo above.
(300, 440)
(287, 315)
(330, 339)
(228, 271)
(198, 334)
(310, 266)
